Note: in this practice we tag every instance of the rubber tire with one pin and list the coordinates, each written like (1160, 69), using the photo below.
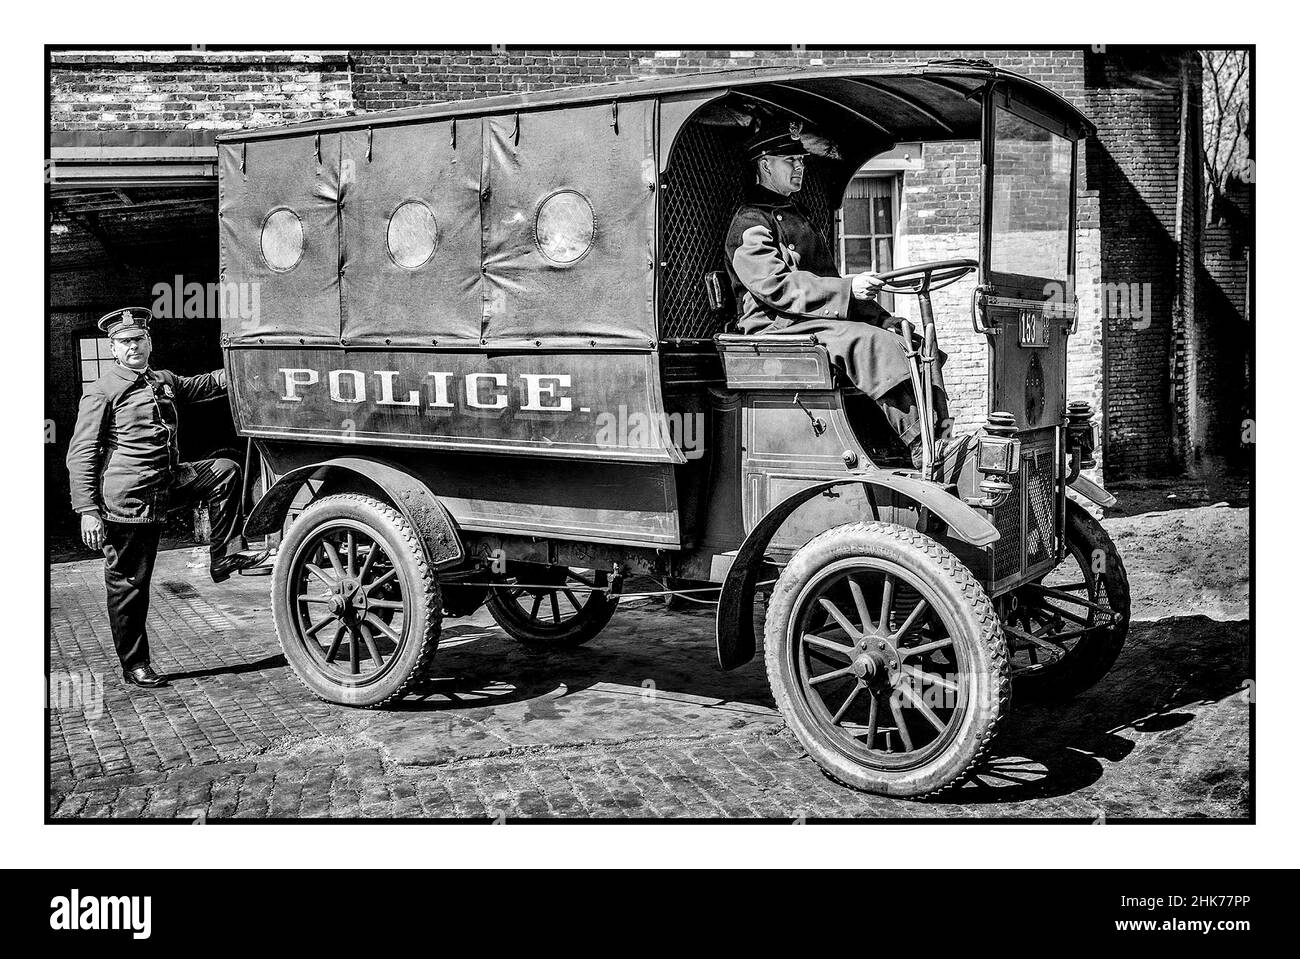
(965, 605)
(403, 545)
(595, 616)
(1093, 655)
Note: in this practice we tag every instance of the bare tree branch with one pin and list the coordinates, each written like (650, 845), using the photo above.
(1225, 117)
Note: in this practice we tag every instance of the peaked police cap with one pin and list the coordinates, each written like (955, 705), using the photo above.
(129, 320)
(784, 142)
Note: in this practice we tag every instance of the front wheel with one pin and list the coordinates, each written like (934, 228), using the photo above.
(1067, 630)
(357, 609)
(886, 659)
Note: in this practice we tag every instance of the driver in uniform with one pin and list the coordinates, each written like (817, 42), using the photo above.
(785, 280)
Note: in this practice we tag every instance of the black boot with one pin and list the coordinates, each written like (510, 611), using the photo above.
(222, 569)
(143, 676)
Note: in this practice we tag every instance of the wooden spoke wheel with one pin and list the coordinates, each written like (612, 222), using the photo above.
(552, 607)
(1066, 631)
(357, 609)
(886, 659)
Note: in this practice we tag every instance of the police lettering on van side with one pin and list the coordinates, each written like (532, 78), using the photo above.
(444, 390)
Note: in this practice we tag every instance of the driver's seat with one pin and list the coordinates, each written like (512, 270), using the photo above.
(795, 362)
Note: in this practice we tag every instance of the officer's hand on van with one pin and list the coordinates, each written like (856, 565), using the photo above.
(866, 286)
(92, 530)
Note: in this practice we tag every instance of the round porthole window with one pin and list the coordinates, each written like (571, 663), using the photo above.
(282, 240)
(566, 226)
(412, 235)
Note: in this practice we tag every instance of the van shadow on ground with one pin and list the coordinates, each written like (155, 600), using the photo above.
(1183, 677)
(1172, 675)
(643, 648)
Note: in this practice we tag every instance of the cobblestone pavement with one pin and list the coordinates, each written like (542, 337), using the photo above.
(640, 723)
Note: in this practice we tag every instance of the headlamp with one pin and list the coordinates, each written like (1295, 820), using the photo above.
(998, 453)
(998, 456)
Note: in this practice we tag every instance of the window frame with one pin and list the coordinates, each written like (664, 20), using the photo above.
(99, 360)
(1017, 284)
(895, 179)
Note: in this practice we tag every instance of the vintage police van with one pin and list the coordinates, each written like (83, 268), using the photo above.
(492, 365)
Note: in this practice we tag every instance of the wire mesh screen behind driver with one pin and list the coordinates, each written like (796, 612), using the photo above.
(704, 185)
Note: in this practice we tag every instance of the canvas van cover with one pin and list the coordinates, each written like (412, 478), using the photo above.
(528, 220)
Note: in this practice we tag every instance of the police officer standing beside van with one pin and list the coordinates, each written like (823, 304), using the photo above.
(125, 471)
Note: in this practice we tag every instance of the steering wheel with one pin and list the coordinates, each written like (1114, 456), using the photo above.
(924, 277)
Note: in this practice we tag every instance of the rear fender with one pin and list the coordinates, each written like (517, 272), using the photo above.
(443, 546)
(734, 629)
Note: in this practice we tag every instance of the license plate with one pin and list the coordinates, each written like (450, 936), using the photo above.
(1034, 329)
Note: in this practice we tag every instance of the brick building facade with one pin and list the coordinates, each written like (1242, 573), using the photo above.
(133, 204)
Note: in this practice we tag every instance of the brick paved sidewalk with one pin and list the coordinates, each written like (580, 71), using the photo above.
(640, 723)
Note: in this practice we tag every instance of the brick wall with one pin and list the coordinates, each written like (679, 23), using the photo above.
(944, 196)
(385, 78)
(195, 90)
(1222, 347)
(1135, 99)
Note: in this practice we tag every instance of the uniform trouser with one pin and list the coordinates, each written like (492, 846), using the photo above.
(904, 415)
(217, 483)
(131, 548)
(129, 553)
(875, 360)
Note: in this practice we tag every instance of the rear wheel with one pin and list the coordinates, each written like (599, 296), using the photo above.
(552, 607)
(357, 609)
(886, 659)
(1067, 630)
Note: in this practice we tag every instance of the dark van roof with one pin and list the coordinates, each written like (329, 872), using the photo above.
(938, 100)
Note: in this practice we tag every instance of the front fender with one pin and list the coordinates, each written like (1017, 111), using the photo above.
(437, 530)
(1086, 487)
(734, 629)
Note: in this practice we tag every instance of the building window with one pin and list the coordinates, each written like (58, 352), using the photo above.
(866, 227)
(95, 355)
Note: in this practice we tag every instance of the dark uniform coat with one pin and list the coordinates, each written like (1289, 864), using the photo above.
(123, 459)
(785, 280)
